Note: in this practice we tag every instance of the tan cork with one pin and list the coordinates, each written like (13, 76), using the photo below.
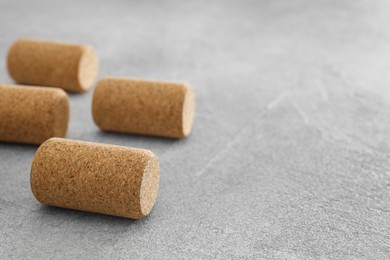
(144, 107)
(100, 178)
(71, 67)
(32, 114)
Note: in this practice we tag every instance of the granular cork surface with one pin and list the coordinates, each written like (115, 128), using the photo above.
(32, 114)
(144, 107)
(69, 66)
(94, 177)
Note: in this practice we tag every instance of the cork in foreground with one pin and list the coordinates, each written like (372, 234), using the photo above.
(32, 114)
(144, 107)
(68, 66)
(107, 179)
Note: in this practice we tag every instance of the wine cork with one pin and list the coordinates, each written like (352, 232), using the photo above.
(144, 107)
(100, 178)
(32, 114)
(71, 67)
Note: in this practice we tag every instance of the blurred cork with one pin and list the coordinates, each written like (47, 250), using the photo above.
(144, 107)
(107, 179)
(32, 114)
(68, 66)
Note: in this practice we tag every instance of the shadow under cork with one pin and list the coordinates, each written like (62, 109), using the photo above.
(56, 216)
(72, 94)
(8, 146)
(135, 138)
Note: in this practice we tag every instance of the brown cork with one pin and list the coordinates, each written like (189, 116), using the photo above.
(144, 107)
(68, 66)
(32, 114)
(100, 178)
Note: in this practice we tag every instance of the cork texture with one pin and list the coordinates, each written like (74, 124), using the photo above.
(144, 107)
(32, 114)
(107, 179)
(68, 66)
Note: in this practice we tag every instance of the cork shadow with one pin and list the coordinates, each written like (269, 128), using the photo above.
(73, 94)
(135, 138)
(8, 146)
(55, 214)
(68, 92)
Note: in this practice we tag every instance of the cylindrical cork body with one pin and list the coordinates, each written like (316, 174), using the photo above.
(68, 66)
(107, 179)
(144, 107)
(32, 114)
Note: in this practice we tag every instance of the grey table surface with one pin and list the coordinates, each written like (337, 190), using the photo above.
(290, 152)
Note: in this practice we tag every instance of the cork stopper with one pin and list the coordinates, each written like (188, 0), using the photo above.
(100, 178)
(145, 107)
(72, 67)
(32, 114)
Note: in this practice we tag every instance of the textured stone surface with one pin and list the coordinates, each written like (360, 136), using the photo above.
(289, 157)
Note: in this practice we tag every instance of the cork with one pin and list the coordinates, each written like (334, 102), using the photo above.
(32, 115)
(99, 178)
(72, 67)
(145, 107)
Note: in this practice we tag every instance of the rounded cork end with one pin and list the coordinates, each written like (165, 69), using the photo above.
(9, 61)
(12, 60)
(88, 67)
(34, 172)
(149, 185)
(188, 111)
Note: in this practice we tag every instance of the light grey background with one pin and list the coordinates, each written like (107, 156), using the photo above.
(289, 156)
